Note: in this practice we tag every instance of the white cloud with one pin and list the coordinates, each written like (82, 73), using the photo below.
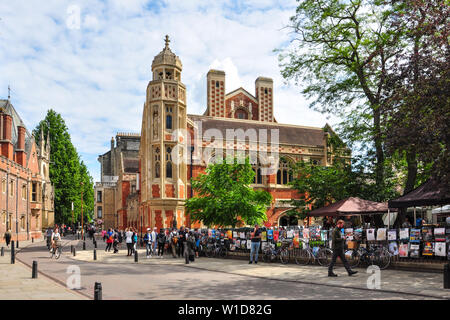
(96, 76)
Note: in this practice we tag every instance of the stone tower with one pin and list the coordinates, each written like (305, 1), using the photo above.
(163, 175)
(264, 95)
(216, 93)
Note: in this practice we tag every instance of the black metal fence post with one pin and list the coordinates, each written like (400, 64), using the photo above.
(74, 251)
(136, 258)
(13, 257)
(3, 252)
(34, 273)
(447, 276)
(98, 291)
(95, 254)
(84, 245)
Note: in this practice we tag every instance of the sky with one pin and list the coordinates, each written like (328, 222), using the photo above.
(90, 60)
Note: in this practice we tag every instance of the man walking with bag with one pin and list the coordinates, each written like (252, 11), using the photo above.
(338, 250)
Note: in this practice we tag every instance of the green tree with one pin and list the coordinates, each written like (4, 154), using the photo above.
(341, 53)
(225, 198)
(66, 171)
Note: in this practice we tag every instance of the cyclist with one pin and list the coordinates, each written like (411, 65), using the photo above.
(56, 238)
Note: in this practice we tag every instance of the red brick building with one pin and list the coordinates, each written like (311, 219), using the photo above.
(26, 195)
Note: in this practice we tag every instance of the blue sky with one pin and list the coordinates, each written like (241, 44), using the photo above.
(90, 60)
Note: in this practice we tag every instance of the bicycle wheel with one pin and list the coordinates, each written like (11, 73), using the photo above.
(209, 251)
(284, 256)
(266, 255)
(222, 252)
(302, 257)
(58, 253)
(324, 257)
(353, 259)
(382, 258)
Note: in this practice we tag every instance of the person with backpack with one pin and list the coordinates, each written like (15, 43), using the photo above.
(173, 239)
(115, 241)
(161, 239)
(109, 240)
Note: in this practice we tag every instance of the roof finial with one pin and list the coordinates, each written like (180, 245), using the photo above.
(167, 42)
(9, 92)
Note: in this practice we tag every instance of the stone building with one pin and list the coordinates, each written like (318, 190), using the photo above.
(168, 133)
(119, 169)
(26, 197)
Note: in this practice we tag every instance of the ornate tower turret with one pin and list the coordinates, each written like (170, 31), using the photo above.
(163, 177)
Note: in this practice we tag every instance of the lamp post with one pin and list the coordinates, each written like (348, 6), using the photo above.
(82, 222)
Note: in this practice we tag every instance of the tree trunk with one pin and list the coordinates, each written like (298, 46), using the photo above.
(379, 168)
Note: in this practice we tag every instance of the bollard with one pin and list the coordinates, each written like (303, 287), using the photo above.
(71, 248)
(98, 291)
(447, 276)
(34, 273)
(84, 245)
(32, 240)
(95, 244)
(74, 252)
(136, 258)
(78, 236)
(17, 245)
(3, 251)
(13, 257)
(95, 254)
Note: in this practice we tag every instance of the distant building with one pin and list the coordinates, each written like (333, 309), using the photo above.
(119, 169)
(26, 197)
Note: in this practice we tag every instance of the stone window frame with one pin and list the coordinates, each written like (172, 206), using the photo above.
(4, 217)
(24, 191)
(283, 174)
(11, 188)
(22, 222)
(4, 185)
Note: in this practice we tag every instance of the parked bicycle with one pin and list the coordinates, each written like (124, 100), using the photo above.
(306, 255)
(216, 248)
(378, 256)
(272, 253)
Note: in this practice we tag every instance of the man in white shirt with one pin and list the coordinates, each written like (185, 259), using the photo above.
(153, 238)
(129, 241)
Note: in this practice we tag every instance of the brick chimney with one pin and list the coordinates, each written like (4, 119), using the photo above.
(20, 151)
(6, 145)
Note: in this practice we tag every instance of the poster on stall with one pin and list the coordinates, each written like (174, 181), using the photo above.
(296, 242)
(232, 247)
(439, 249)
(264, 245)
(414, 236)
(249, 245)
(439, 234)
(427, 234)
(414, 250)
(242, 235)
(296, 234)
(230, 234)
(403, 250)
(276, 234)
(324, 235)
(392, 235)
(238, 243)
(243, 244)
(213, 233)
(235, 234)
(264, 236)
(370, 234)
(393, 248)
(306, 233)
(358, 234)
(428, 248)
(290, 234)
(381, 234)
(349, 234)
(270, 234)
(404, 234)
(209, 233)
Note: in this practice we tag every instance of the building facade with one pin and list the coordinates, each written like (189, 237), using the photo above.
(26, 197)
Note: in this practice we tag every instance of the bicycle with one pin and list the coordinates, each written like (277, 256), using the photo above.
(378, 256)
(307, 254)
(271, 252)
(56, 252)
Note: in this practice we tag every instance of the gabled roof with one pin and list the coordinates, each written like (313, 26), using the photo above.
(243, 91)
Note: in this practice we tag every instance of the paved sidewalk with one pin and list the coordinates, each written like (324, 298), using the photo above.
(394, 281)
(16, 282)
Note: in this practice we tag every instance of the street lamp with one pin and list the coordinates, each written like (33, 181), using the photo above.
(82, 223)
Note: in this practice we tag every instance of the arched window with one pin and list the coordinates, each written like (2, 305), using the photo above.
(284, 175)
(258, 179)
(169, 162)
(169, 122)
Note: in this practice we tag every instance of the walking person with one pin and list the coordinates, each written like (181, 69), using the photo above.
(7, 237)
(173, 239)
(135, 240)
(115, 241)
(161, 239)
(181, 239)
(189, 246)
(109, 240)
(256, 243)
(154, 236)
(148, 243)
(129, 241)
(338, 250)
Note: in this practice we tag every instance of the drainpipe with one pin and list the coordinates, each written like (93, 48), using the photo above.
(8, 223)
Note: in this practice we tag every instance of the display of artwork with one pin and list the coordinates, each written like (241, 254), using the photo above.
(290, 234)
(249, 245)
(270, 234)
(414, 236)
(404, 234)
(439, 249)
(276, 235)
(235, 234)
(232, 247)
(209, 233)
(427, 234)
(370, 234)
(305, 233)
(244, 244)
(393, 248)
(238, 243)
(392, 235)
(242, 235)
(324, 235)
(414, 250)
(439, 234)
(381, 234)
(349, 234)
(229, 234)
(403, 250)
(264, 236)
(428, 249)
(358, 234)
